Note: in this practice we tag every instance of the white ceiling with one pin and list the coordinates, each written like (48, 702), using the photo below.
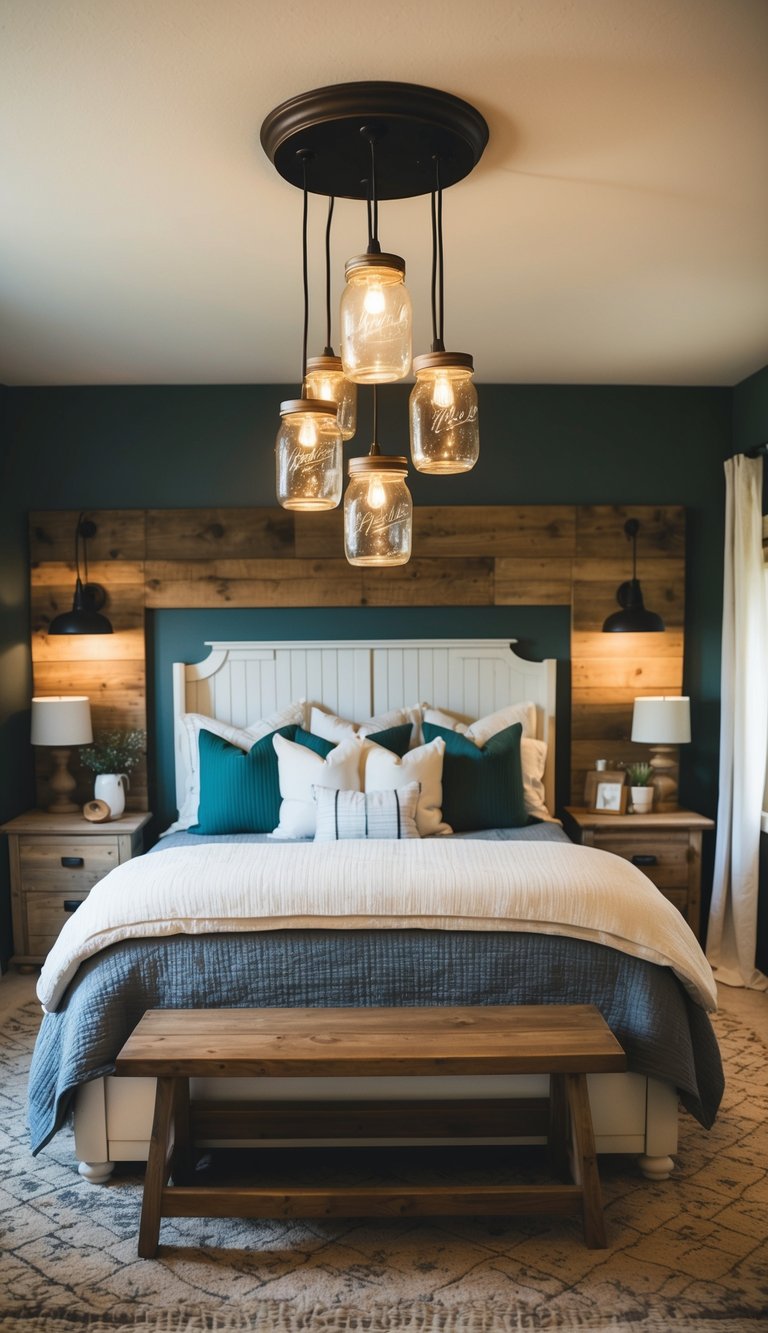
(613, 232)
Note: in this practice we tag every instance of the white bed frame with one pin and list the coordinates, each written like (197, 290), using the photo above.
(241, 682)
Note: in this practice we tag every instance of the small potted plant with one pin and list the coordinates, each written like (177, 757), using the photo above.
(641, 787)
(113, 755)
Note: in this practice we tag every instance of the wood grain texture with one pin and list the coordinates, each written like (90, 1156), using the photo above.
(463, 555)
(175, 1044)
(219, 534)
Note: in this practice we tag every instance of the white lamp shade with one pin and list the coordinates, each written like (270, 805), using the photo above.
(662, 720)
(62, 719)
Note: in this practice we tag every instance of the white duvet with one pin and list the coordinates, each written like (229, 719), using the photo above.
(548, 888)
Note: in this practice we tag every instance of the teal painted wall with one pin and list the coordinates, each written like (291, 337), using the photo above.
(750, 412)
(180, 446)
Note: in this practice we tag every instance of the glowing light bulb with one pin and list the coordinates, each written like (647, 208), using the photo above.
(374, 300)
(327, 390)
(442, 394)
(308, 433)
(377, 496)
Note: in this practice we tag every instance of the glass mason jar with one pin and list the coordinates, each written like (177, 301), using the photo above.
(308, 455)
(375, 320)
(325, 379)
(443, 413)
(378, 514)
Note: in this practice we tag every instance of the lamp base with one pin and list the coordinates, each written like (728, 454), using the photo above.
(62, 784)
(664, 765)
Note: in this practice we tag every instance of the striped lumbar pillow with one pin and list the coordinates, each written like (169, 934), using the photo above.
(366, 814)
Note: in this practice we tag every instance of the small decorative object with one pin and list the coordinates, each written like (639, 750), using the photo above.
(112, 758)
(641, 788)
(61, 721)
(601, 773)
(663, 722)
(96, 812)
(610, 797)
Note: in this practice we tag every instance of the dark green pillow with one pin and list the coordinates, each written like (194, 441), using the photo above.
(396, 739)
(482, 787)
(239, 790)
(317, 743)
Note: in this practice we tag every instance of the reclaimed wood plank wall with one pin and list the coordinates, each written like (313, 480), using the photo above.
(528, 555)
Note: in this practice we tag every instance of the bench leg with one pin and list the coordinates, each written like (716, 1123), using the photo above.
(557, 1138)
(585, 1161)
(181, 1158)
(158, 1165)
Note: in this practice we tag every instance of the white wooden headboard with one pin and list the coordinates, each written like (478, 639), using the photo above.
(242, 682)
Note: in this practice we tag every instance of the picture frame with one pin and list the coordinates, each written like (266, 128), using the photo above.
(610, 796)
(593, 777)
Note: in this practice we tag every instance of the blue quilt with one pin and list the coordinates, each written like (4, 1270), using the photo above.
(663, 1032)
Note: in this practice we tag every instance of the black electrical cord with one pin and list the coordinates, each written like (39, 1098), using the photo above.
(328, 347)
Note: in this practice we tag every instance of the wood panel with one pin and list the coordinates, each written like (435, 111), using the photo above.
(464, 555)
(219, 534)
(206, 583)
(533, 581)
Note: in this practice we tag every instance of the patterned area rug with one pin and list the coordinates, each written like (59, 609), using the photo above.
(690, 1253)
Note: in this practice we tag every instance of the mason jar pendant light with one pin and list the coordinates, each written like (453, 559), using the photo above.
(443, 404)
(376, 141)
(376, 315)
(308, 453)
(378, 513)
(325, 376)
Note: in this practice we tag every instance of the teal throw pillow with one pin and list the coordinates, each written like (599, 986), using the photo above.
(396, 739)
(482, 787)
(240, 790)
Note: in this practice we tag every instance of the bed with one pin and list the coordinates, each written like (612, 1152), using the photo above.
(498, 914)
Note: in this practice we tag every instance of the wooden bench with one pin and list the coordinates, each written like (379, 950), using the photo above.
(173, 1045)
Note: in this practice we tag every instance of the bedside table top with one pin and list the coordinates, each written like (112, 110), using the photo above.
(658, 819)
(40, 821)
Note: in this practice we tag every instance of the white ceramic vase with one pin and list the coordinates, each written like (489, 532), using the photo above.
(111, 787)
(642, 800)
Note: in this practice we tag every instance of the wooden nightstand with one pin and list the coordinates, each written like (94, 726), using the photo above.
(665, 846)
(55, 862)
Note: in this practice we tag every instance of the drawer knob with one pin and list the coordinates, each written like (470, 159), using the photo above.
(71, 904)
(72, 862)
(645, 859)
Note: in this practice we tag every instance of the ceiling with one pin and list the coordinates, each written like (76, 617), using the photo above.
(613, 232)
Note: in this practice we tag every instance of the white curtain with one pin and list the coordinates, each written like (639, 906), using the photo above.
(732, 934)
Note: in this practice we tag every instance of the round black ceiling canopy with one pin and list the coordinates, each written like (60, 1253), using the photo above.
(329, 128)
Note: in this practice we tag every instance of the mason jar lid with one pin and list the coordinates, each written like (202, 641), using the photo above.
(323, 363)
(443, 361)
(374, 261)
(319, 405)
(377, 463)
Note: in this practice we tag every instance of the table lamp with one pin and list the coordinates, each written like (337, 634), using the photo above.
(663, 721)
(60, 721)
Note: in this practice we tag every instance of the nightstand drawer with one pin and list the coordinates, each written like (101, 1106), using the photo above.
(62, 856)
(55, 860)
(46, 914)
(670, 853)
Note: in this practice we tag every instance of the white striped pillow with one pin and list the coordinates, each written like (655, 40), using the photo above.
(369, 814)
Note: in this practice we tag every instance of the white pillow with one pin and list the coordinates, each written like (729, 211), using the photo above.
(374, 814)
(244, 737)
(385, 771)
(301, 769)
(485, 727)
(533, 761)
(333, 728)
